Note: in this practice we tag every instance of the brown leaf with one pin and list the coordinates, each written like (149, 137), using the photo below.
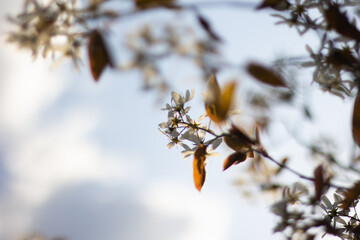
(238, 140)
(207, 27)
(341, 57)
(233, 159)
(144, 4)
(98, 53)
(319, 182)
(351, 195)
(279, 5)
(265, 75)
(339, 22)
(356, 120)
(199, 172)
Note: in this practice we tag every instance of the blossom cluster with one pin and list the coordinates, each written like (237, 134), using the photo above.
(182, 130)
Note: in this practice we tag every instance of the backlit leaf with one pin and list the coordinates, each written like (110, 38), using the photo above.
(226, 100)
(351, 195)
(98, 53)
(199, 172)
(356, 120)
(265, 75)
(217, 102)
(233, 159)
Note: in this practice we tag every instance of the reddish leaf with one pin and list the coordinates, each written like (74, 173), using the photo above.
(233, 159)
(356, 120)
(98, 53)
(199, 172)
(339, 22)
(319, 182)
(265, 75)
(351, 195)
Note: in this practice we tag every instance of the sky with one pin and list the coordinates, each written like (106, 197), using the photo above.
(85, 160)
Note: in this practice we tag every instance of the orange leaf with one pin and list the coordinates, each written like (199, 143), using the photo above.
(227, 99)
(356, 120)
(233, 159)
(319, 182)
(98, 53)
(199, 172)
(217, 102)
(265, 75)
(351, 195)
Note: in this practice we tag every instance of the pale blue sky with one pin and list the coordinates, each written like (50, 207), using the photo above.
(86, 161)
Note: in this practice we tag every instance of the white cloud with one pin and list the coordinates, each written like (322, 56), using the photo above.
(26, 89)
(208, 216)
(61, 154)
(42, 156)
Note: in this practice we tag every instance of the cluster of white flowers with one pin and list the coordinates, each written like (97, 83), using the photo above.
(297, 210)
(182, 130)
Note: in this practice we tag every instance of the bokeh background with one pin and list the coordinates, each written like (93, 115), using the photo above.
(86, 161)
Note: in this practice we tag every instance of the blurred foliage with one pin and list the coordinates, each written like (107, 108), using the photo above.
(305, 208)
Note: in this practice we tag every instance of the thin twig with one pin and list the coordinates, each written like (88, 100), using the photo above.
(264, 154)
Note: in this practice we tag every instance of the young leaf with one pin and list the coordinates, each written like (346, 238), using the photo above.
(199, 172)
(265, 75)
(283, 164)
(356, 120)
(217, 102)
(98, 53)
(351, 195)
(233, 159)
(319, 182)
